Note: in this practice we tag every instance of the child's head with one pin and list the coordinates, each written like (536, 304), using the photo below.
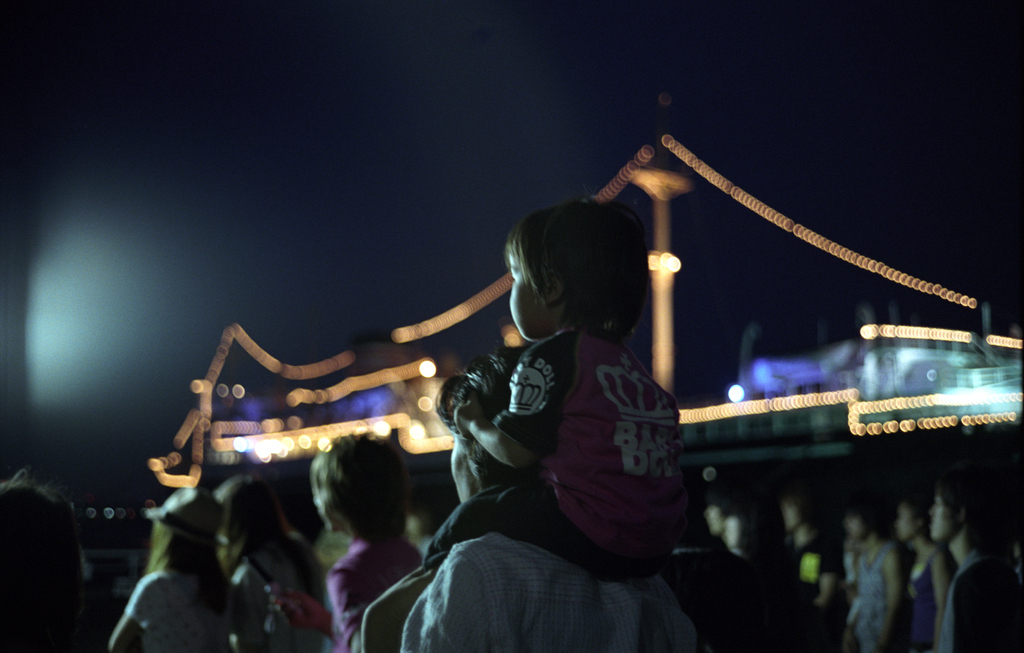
(586, 259)
(361, 484)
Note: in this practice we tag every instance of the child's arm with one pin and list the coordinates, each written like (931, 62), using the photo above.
(469, 417)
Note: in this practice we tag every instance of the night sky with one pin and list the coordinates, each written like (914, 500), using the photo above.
(318, 170)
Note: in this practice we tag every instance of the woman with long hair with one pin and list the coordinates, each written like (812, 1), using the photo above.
(180, 605)
(260, 548)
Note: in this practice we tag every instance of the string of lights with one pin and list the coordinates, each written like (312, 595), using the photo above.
(198, 424)
(454, 315)
(809, 236)
(621, 180)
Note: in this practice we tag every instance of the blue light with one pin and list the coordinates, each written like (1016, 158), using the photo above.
(241, 445)
(736, 393)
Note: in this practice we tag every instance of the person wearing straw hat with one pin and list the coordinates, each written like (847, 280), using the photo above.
(180, 605)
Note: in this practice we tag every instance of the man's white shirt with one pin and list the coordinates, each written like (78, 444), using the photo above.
(498, 594)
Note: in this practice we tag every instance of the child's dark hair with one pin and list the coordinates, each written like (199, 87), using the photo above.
(598, 254)
(366, 481)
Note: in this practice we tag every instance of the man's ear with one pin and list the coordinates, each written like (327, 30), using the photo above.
(555, 294)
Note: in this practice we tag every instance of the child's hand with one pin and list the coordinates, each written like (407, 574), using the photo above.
(472, 425)
(467, 413)
(303, 611)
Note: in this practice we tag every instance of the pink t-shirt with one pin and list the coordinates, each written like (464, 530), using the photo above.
(609, 437)
(360, 576)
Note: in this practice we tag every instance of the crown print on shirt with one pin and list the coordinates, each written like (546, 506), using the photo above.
(631, 390)
(531, 384)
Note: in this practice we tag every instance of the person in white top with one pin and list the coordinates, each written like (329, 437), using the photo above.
(181, 604)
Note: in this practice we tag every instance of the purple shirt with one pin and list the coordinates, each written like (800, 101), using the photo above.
(360, 576)
(609, 437)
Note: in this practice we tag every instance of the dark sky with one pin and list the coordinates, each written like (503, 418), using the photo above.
(315, 170)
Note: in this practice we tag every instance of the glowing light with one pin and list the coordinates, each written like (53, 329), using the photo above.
(1002, 341)
(511, 337)
(425, 404)
(428, 369)
(761, 406)
(237, 391)
(241, 444)
(803, 233)
(628, 171)
(198, 386)
(736, 393)
(324, 444)
(417, 431)
(453, 315)
(872, 331)
(272, 425)
(381, 429)
(357, 383)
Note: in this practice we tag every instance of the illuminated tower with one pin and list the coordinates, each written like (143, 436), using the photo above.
(662, 186)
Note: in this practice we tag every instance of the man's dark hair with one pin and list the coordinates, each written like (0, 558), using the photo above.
(488, 376)
(988, 496)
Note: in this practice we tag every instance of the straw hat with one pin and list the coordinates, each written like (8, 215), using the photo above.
(191, 512)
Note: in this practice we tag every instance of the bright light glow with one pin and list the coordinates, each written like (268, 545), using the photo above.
(381, 429)
(428, 369)
(736, 393)
(241, 444)
(417, 431)
(426, 404)
(1003, 341)
(511, 337)
(872, 331)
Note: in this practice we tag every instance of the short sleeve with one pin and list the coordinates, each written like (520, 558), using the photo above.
(149, 599)
(545, 374)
